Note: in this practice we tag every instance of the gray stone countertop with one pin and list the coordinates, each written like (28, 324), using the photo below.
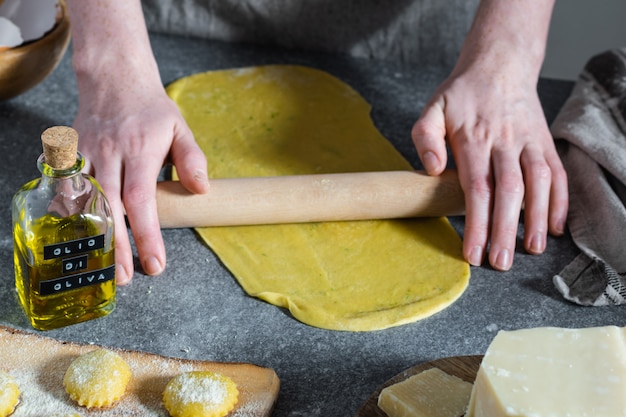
(197, 310)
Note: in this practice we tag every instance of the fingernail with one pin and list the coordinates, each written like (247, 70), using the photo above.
(560, 226)
(476, 256)
(122, 276)
(536, 244)
(430, 161)
(152, 266)
(503, 260)
(201, 177)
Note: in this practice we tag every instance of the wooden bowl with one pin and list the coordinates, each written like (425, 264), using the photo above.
(24, 66)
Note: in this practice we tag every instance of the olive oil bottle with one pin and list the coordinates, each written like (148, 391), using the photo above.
(63, 239)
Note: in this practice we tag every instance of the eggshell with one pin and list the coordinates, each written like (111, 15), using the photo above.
(10, 34)
(34, 17)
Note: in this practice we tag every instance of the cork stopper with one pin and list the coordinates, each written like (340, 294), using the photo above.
(60, 146)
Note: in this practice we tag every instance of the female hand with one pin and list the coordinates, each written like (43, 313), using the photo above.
(489, 113)
(126, 137)
(127, 125)
(505, 156)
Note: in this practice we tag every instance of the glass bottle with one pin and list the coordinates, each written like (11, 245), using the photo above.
(63, 239)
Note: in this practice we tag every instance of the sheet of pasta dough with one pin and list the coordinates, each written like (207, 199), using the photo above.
(355, 276)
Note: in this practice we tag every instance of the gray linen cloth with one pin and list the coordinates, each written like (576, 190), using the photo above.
(591, 135)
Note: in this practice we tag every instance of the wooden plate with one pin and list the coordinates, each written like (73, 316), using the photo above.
(38, 364)
(464, 367)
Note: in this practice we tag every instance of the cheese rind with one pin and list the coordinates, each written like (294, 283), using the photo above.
(431, 393)
(548, 371)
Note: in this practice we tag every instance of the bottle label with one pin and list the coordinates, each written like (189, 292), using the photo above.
(73, 247)
(72, 282)
(74, 257)
(75, 264)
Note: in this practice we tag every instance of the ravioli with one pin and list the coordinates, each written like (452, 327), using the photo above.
(97, 379)
(200, 394)
(9, 394)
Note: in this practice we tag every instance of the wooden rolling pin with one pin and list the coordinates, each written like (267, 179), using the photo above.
(311, 198)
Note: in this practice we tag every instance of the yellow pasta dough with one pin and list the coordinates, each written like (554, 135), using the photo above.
(9, 394)
(356, 276)
(97, 378)
(200, 394)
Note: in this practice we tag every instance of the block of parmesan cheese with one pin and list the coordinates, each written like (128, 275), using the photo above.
(549, 371)
(431, 393)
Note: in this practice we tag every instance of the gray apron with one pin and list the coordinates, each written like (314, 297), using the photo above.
(425, 32)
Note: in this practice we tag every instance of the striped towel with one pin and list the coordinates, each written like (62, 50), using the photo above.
(590, 131)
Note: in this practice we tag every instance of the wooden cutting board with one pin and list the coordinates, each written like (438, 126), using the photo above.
(39, 364)
(464, 367)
